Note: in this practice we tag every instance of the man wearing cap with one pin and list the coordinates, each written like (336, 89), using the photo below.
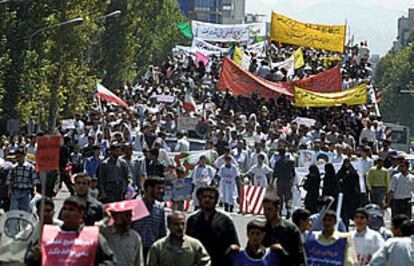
(114, 176)
(21, 180)
(177, 248)
(124, 241)
(86, 239)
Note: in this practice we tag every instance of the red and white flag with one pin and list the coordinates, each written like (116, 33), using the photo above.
(252, 199)
(108, 95)
(189, 103)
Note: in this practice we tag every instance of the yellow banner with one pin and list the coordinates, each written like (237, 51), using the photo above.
(327, 60)
(305, 98)
(299, 61)
(328, 37)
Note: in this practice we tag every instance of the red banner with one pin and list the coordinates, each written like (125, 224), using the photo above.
(47, 153)
(242, 82)
(69, 247)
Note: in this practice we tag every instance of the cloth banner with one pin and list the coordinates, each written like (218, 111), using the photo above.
(185, 28)
(357, 95)
(287, 30)
(237, 55)
(227, 33)
(309, 122)
(47, 153)
(178, 189)
(139, 210)
(187, 123)
(244, 83)
(288, 65)
(257, 48)
(191, 51)
(69, 247)
(205, 46)
(165, 98)
(188, 160)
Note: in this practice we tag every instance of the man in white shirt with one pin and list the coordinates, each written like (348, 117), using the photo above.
(202, 176)
(182, 143)
(260, 172)
(365, 164)
(365, 240)
(241, 155)
(229, 175)
(401, 189)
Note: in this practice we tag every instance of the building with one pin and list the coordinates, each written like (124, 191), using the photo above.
(405, 28)
(214, 11)
(254, 18)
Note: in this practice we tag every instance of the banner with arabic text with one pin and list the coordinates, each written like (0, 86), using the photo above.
(287, 30)
(227, 33)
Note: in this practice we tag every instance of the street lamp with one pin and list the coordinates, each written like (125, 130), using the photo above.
(75, 21)
(116, 13)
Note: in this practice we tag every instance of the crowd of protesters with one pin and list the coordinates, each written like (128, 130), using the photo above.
(110, 153)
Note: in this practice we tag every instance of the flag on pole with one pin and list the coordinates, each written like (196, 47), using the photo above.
(185, 28)
(252, 199)
(237, 55)
(189, 103)
(108, 95)
(200, 57)
(299, 61)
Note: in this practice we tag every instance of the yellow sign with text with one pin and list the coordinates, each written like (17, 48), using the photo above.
(287, 30)
(305, 98)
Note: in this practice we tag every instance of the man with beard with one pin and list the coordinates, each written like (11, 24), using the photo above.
(124, 242)
(152, 227)
(214, 229)
(177, 248)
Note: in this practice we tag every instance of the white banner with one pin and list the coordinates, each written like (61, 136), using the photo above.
(227, 33)
(165, 98)
(288, 65)
(257, 48)
(190, 51)
(205, 46)
(187, 123)
(309, 122)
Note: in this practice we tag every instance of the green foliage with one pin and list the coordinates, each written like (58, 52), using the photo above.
(52, 75)
(395, 73)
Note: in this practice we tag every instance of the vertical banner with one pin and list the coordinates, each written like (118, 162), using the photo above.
(47, 154)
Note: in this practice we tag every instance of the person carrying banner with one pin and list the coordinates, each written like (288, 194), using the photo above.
(213, 228)
(365, 240)
(283, 232)
(229, 177)
(329, 246)
(255, 253)
(124, 241)
(89, 247)
(177, 248)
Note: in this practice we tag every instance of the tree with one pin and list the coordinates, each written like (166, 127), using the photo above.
(395, 75)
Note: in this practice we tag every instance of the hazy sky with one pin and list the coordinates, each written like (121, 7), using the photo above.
(372, 20)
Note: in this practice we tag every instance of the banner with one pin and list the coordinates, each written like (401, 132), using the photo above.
(188, 160)
(69, 247)
(257, 48)
(178, 189)
(321, 254)
(244, 83)
(227, 33)
(287, 30)
(163, 98)
(205, 46)
(237, 55)
(47, 153)
(288, 65)
(200, 57)
(357, 95)
(309, 122)
(187, 123)
(190, 51)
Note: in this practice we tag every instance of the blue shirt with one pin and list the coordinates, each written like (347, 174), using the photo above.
(152, 227)
(91, 166)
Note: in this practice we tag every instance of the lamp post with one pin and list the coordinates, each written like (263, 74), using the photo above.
(116, 13)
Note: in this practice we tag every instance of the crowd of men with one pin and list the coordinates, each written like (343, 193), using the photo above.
(111, 154)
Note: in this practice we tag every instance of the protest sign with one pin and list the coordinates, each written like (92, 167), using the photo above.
(47, 153)
(309, 122)
(187, 123)
(68, 124)
(200, 57)
(69, 247)
(288, 65)
(137, 206)
(165, 98)
(199, 44)
(181, 189)
(287, 30)
(322, 254)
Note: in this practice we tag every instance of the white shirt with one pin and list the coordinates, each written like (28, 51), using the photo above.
(260, 173)
(402, 186)
(182, 145)
(396, 251)
(254, 158)
(364, 166)
(366, 243)
(221, 161)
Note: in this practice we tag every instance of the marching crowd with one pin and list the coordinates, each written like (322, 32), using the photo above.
(111, 154)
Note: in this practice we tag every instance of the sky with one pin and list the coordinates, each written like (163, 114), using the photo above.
(371, 20)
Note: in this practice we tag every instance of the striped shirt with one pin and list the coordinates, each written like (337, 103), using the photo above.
(22, 177)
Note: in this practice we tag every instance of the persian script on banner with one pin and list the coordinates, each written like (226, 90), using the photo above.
(205, 46)
(227, 33)
(244, 83)
(357, 95)
(287, 30)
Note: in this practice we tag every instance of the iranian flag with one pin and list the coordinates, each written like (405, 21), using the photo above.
(189, 103)
(108, 95)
